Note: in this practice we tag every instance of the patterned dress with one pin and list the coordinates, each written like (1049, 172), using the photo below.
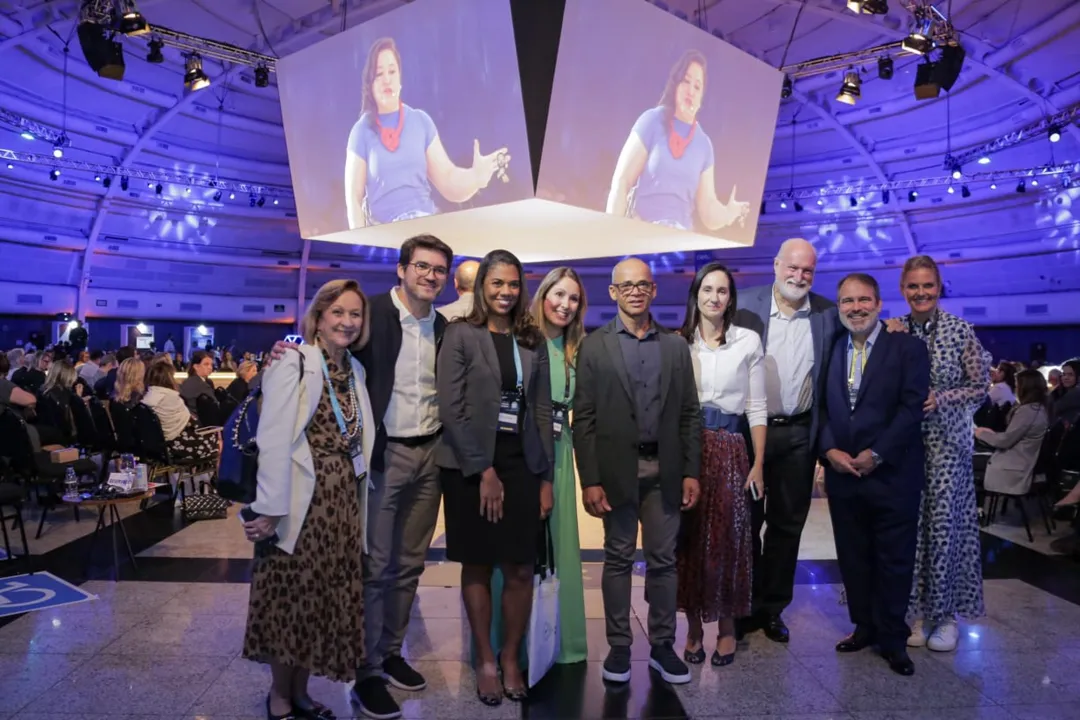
(948, 567)
(307, 609)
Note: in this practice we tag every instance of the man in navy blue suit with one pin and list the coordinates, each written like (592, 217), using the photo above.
(871, 438)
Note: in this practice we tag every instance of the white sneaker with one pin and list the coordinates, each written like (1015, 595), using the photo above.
(944, 637)
(917, 638)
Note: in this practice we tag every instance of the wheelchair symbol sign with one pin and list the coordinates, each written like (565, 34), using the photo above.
(40, 591)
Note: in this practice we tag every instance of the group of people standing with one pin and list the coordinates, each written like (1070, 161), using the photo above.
(700, 437)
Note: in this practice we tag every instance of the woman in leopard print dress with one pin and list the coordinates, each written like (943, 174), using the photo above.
(948, 565)
(306, 612)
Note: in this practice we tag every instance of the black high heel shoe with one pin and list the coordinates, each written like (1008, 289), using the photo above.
(312, 710)
(519, 694)
(695, 657)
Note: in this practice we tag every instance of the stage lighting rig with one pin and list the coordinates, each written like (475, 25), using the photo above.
(851, 89)
(194, 77)
(868, 7)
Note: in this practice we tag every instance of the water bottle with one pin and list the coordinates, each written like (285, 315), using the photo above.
(127, 467)
(71, 485)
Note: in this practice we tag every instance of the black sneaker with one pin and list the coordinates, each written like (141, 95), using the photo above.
(665, 661)
(401, 675)
(374, 699)
(617, 665)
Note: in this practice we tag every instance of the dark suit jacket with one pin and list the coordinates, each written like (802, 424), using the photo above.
(755, 306)
(379, 358)
(469, 383)
(605, 423)
(887, 417)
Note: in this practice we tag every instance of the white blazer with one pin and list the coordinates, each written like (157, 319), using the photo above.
(286, 478)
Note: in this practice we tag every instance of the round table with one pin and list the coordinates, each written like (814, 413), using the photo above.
(107, 507)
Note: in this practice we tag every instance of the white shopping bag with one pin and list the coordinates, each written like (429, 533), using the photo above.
(542, 640)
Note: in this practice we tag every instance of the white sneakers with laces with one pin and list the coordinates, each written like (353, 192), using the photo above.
(942, 638)
(917, 638)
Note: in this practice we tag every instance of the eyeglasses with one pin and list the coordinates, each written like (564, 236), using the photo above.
(643, 286)
(422, 268)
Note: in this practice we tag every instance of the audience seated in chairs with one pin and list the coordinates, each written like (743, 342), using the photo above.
(239, 388)
(55, 422)
(1067, 405)
(130, 383)
(31, 376)
(1012, 469)
(10, 394)
(104, 387)
(178, 425)
(197, 385)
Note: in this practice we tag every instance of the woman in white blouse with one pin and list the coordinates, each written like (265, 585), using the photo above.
(714, 555)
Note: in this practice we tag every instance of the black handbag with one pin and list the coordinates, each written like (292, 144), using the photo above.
(237, 477)
(204, 506)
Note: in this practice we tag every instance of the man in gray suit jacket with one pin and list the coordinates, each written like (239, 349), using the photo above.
(637, 435)
(797, 329)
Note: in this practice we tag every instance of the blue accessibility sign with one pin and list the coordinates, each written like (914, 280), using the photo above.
(40, 591)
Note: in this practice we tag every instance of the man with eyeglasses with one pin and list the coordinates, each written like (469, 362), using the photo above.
(403, 506)
(797, 328)
(637, 439)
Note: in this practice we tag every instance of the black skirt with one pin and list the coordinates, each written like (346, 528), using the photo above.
(472, 539)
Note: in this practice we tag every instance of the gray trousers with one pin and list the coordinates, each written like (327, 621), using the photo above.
(659, 534)
(403, 509)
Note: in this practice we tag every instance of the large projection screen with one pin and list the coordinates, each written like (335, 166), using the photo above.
(415, 113)
(654, 119)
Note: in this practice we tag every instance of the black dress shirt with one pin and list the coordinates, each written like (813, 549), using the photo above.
(642, 359)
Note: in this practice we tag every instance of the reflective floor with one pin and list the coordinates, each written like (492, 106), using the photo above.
(164, 642)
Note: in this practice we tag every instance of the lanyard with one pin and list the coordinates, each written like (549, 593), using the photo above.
(862, 367)
(517, 365)
(338, 415)
(566, 388)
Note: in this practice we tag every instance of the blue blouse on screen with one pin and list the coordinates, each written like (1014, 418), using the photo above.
(397, 182)
(667, 186)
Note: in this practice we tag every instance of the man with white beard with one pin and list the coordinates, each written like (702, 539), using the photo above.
(798, 329)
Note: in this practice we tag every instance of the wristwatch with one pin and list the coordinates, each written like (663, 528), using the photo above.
(876, 458)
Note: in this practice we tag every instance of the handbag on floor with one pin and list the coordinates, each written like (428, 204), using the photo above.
(204, 506)
(542, 640)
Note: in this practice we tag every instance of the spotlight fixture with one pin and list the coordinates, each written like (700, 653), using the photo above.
(798, 206)
(952, 190)
(1034, 183)
(217, 196)
(820, 202)
(918, 42)
(261, 201)
(783, 203)
(868, 7)
(27, 135)
(853, 202)
(194, 77)
(1054, 133)
(787, 88)
(762, 205)
(964, 192)
(912, 196)
(993, 186)
(957, 173)
(1021, 187)
(155, 55)
(124, 183)
(54, 174)
(851, 89)
(58, 151)
(262, 76)
(251, 201)
(10, 166)
(158, 189)
(106, 182)
(984, 160)
(885, 197)
(129, 21)
(885, 68)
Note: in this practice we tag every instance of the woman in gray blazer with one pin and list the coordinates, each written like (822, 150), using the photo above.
(1012, 466)
(496, 459)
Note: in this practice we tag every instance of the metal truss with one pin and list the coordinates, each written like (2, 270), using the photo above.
(20, 124)
(157, 176)
(1041, 127)
(212, 48)
(1064, 173)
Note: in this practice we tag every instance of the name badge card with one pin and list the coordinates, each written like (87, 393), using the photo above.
(359, 464)
(509, 412)
(558, 418)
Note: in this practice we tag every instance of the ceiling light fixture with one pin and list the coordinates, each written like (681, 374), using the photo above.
(851, 89)
(868, 7)
(262, 76)
(1054, 133)
(194, 77)
(54, 174)
(156, 56)
(129, 21)
(984, 160)
(964, 192)
(1021, 187)
(885, 68)
(217, 196)
(912, 196)
(919, 41)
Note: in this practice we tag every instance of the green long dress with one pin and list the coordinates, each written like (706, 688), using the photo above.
(564, 533)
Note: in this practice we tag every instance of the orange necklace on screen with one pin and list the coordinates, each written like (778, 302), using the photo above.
(677, 142)
(391, 137)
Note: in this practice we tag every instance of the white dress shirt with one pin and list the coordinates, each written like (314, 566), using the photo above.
(789, 360)
(413, 410)
(731, 377)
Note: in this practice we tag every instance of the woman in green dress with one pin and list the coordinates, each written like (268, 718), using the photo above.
(559, 310)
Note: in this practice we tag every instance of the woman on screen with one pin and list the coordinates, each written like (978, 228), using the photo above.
(395, 154)
(665, 170)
